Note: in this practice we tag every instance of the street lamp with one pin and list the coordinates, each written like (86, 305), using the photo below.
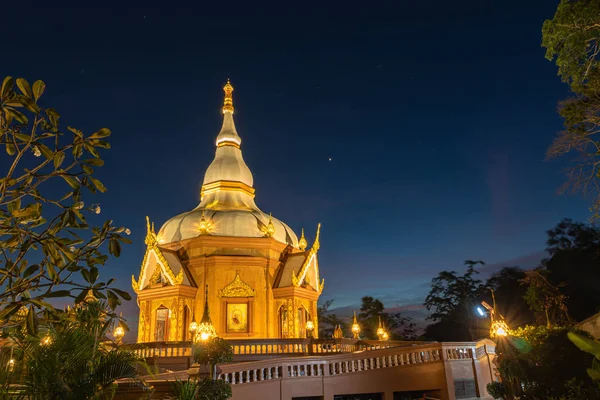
(355, 327)
(498, 326)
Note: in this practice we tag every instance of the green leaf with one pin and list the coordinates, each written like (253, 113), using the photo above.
(102, 133)
(122, 293)
(71, 181)
(593, 374)
(38, 89)
(18, 115)
(81, 296)
(86, 275)
(114, 247)
(10, 149)
(25, 88)
(52, 273)
(31, 270)
(32, 322)
(7, 85)
(113, 300)
(94, 162)
(93, 275)
(9, 311)
(58, 159)
(584, 343)
(58, 293)
(99, 185)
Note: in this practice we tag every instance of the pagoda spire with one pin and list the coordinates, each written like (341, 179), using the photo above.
(228, 102)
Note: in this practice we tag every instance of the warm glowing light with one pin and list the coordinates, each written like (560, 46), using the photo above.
(205, 331)
(385, 336)
(310, 326)
(380, 332)
(46, 341)
(499, 328)
(355, 327)
(119, 332)
(11, 364)
(205, 225)
(193, 326)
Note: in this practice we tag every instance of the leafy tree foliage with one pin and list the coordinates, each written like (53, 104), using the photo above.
(546, 301)
(48, 249)
(328, 321)
(574, 250)
(398, 326)
(510, 297)
(572, 39)
(453, 299)
(70, 358)
(541, 363)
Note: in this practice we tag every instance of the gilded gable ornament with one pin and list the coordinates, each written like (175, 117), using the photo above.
(237, 288)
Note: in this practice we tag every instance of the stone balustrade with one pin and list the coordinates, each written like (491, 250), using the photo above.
(266, 347)
(345, 363)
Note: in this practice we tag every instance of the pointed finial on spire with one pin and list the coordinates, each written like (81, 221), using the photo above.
(228, 103)
(270, 230)
(150, 235)
(205, 225)
(302, 242)
(317, 244)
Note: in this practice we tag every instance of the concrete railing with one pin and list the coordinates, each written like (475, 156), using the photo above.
(267, 347)
(345, 363)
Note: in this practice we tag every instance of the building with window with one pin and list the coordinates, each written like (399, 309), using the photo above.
(263, 282)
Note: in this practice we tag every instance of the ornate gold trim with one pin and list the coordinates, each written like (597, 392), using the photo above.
(237, 288)
(151, 242)
(228, 143)
(227, 186)
(297, 279)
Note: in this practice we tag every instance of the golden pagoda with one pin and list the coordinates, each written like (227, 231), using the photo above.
(264, 282)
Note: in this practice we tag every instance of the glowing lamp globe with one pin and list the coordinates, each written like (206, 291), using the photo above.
(119, 332)
(499, 328)
(310, 326)
(193, 326)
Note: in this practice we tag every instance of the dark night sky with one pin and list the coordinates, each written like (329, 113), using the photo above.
(436, 116)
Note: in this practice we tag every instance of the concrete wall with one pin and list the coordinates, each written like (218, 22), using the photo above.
(386, 380)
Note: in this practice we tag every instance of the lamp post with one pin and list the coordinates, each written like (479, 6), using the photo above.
(355, 327)
(498, 326)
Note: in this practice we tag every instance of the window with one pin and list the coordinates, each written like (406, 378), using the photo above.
(464, 388)
(162, 324)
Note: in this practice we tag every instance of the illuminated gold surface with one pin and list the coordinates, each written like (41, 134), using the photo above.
(228, 103)
(302, 244)
(227, 186)
(237, 288)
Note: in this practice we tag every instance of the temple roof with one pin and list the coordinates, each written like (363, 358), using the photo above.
(227, 206)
